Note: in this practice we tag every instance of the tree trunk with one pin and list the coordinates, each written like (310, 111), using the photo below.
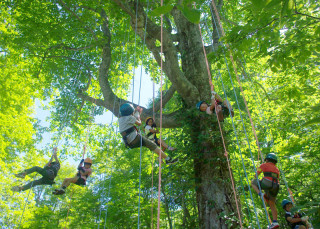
(213, 189)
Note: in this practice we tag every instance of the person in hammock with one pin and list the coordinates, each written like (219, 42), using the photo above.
(151, 134)
(130, 117)
(270, 184)
(218, 103)
(84, 171)
(48, 173)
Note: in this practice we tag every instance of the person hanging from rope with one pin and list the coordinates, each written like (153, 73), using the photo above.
(130, 117)
(218, 103)
(151, 134)
(296, 221)
(84, 171)
(48, 173)
(270, 184)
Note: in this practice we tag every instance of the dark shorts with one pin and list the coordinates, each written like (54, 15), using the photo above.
(81, 181)
(145, 142)
(271, 188)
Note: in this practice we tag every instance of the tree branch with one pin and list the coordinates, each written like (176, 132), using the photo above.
(76, 16)
(168, 120)
(165, 99)
(125, 8)
(171, 65)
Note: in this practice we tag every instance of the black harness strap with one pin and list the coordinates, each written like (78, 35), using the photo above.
(126, 133)
(271, 174)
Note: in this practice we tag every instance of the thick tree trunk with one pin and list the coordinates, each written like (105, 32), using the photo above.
(213, 192)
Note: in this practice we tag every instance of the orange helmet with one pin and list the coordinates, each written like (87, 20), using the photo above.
(88, 160)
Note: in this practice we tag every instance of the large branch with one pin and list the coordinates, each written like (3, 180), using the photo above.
(111, 101)
(171, 61)
(168, 120)
(165, 99)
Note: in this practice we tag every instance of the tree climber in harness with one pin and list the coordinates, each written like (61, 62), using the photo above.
(295, 221)
(151, 133)
(80, 179)
(223, 106)
(132, 139)
(48, 172)
(270, 184)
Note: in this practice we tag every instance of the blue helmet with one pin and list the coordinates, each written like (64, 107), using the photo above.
(199, 104)
(272, 157)
(285, 202)
(126, 109)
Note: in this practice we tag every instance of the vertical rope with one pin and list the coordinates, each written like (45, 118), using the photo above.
(236, 73)
(160, 160)
(235, 131)
(153, 115)
(221, 133)
(135, 47)
(266, 122)
(247, 139)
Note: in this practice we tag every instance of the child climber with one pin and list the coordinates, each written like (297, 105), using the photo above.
(270, 184)
(295, 221)
(151, 133)
(217, 102)
(48, 173)
(129, 118)
(80, 179)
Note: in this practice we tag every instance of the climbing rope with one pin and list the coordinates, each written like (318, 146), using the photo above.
(221, 133)
(160, 160)
(235, 131)
(61, 128)
(269, 131)
(247, 139)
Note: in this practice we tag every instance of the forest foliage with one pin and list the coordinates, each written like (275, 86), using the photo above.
(50, 50)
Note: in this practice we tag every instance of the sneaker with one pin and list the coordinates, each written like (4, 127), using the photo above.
(16, 189)
(171, 148)
(171, 161)
(274, 225)
(20, 175)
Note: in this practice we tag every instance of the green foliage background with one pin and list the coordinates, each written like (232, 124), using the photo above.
(48, 54)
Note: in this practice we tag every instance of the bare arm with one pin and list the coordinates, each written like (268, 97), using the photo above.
(137, 116)
(294, 220)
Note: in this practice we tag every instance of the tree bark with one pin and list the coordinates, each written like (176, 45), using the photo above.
(212, 178)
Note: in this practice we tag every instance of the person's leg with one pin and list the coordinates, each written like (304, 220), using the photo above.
(273, 208)
(31, 170)
(32, 184)
(254, 184)
(68, 181)
(163, 144)
(160, 152)
(219, 112)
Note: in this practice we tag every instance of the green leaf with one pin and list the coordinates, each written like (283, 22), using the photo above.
(192, 15)
(161, 10)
